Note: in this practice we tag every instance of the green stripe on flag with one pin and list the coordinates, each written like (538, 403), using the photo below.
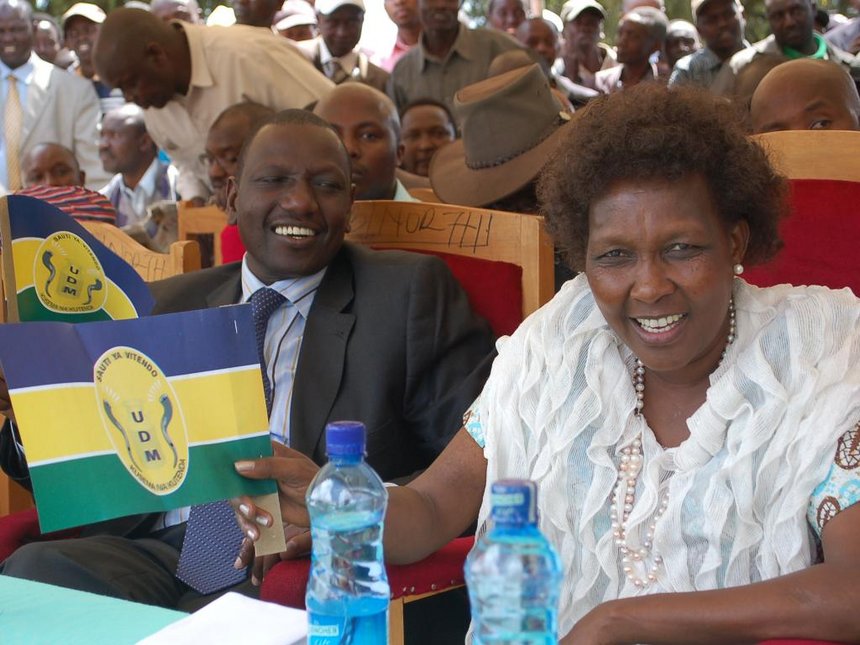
(113, 492)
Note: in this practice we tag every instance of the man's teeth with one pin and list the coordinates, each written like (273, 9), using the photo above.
(659, 324)
(294, 231)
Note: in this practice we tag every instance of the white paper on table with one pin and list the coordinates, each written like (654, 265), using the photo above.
(236, 619)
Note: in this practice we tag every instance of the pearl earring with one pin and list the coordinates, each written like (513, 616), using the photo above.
(738, 269)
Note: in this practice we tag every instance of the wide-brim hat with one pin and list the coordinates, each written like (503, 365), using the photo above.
(510, 125)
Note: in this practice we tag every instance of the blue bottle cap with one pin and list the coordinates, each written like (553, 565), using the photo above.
(345, 438)
(514, 502)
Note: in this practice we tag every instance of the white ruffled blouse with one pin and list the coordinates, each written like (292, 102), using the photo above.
(558, 409)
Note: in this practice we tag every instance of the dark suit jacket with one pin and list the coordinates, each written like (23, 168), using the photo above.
(390, 341)
(365, 71)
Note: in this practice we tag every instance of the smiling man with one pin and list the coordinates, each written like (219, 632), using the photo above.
(41, 102)
(184, 75)
(386, 337)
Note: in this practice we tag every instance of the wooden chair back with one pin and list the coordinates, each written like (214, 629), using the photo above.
(183, 256)
(424, 195)
(512, 238)
(813, 154)
(203, 223)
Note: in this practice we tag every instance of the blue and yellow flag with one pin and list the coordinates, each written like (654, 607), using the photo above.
(135, 416)
(59, 271)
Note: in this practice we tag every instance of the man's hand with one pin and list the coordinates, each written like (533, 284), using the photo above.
(5, 401)
(293, 473)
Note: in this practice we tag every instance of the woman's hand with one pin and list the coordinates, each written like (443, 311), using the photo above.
(593, 628)
(298, 545)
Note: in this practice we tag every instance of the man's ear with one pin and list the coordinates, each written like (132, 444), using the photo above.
(230, 202)
(83, 176)
(400, 150)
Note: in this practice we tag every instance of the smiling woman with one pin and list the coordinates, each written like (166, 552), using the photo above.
(695, 438)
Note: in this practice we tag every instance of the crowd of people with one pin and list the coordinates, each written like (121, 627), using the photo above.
(720, 507)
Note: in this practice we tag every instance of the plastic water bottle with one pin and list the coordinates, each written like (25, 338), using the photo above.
(513, 574)
(348, 594)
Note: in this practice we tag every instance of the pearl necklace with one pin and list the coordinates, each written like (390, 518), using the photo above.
(637, 563)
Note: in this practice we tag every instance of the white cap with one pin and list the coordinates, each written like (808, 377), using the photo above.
(294, 13)
(91, 12)
(327, 7)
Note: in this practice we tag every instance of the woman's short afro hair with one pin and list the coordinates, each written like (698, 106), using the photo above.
(650, 132)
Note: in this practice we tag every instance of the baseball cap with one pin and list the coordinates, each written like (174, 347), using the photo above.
(572, 8)
(86, 10)
(327, 7)
(294, 13)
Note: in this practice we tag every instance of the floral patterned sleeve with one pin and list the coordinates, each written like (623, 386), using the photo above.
(841, 488)
(472, 423)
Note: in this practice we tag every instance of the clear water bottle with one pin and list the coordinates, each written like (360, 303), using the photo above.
(348, 594)
(513, 574)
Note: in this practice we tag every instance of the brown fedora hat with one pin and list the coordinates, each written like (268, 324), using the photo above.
(509, 124)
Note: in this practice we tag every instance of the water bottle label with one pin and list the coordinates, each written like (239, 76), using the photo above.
(347, 630)
(325, 630)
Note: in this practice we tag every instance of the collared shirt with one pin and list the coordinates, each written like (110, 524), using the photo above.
(699, 68)
(228, 65)
(401, 194)
(400, 48)
(419, 74)
(23, 77)
(283, 340)
(131, 203)
(284, 335)
(347, 62)
(609, 80)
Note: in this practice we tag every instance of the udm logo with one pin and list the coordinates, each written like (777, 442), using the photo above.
(142, 416)
(68, 276)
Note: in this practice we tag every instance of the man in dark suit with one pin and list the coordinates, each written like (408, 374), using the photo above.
(335, 51)
(384, 337)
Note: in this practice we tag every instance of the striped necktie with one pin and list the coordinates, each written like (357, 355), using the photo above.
(212, 536)
(334, 70)
(13, 121)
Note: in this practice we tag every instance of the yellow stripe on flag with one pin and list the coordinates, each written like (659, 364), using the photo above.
(24, 256)
(212, 405)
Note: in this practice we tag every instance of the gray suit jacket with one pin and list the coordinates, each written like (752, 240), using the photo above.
(64, 108)
(390, 341)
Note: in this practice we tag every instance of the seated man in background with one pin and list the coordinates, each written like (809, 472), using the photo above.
(425, 126)
(383, 336)
(369, 127)
(335, 51)
(50, 164)
(805, 94)
(141, 178)
(223, 144)
(641, 32)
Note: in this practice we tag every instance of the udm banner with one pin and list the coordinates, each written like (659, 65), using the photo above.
(135, 416)
(59, 271)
